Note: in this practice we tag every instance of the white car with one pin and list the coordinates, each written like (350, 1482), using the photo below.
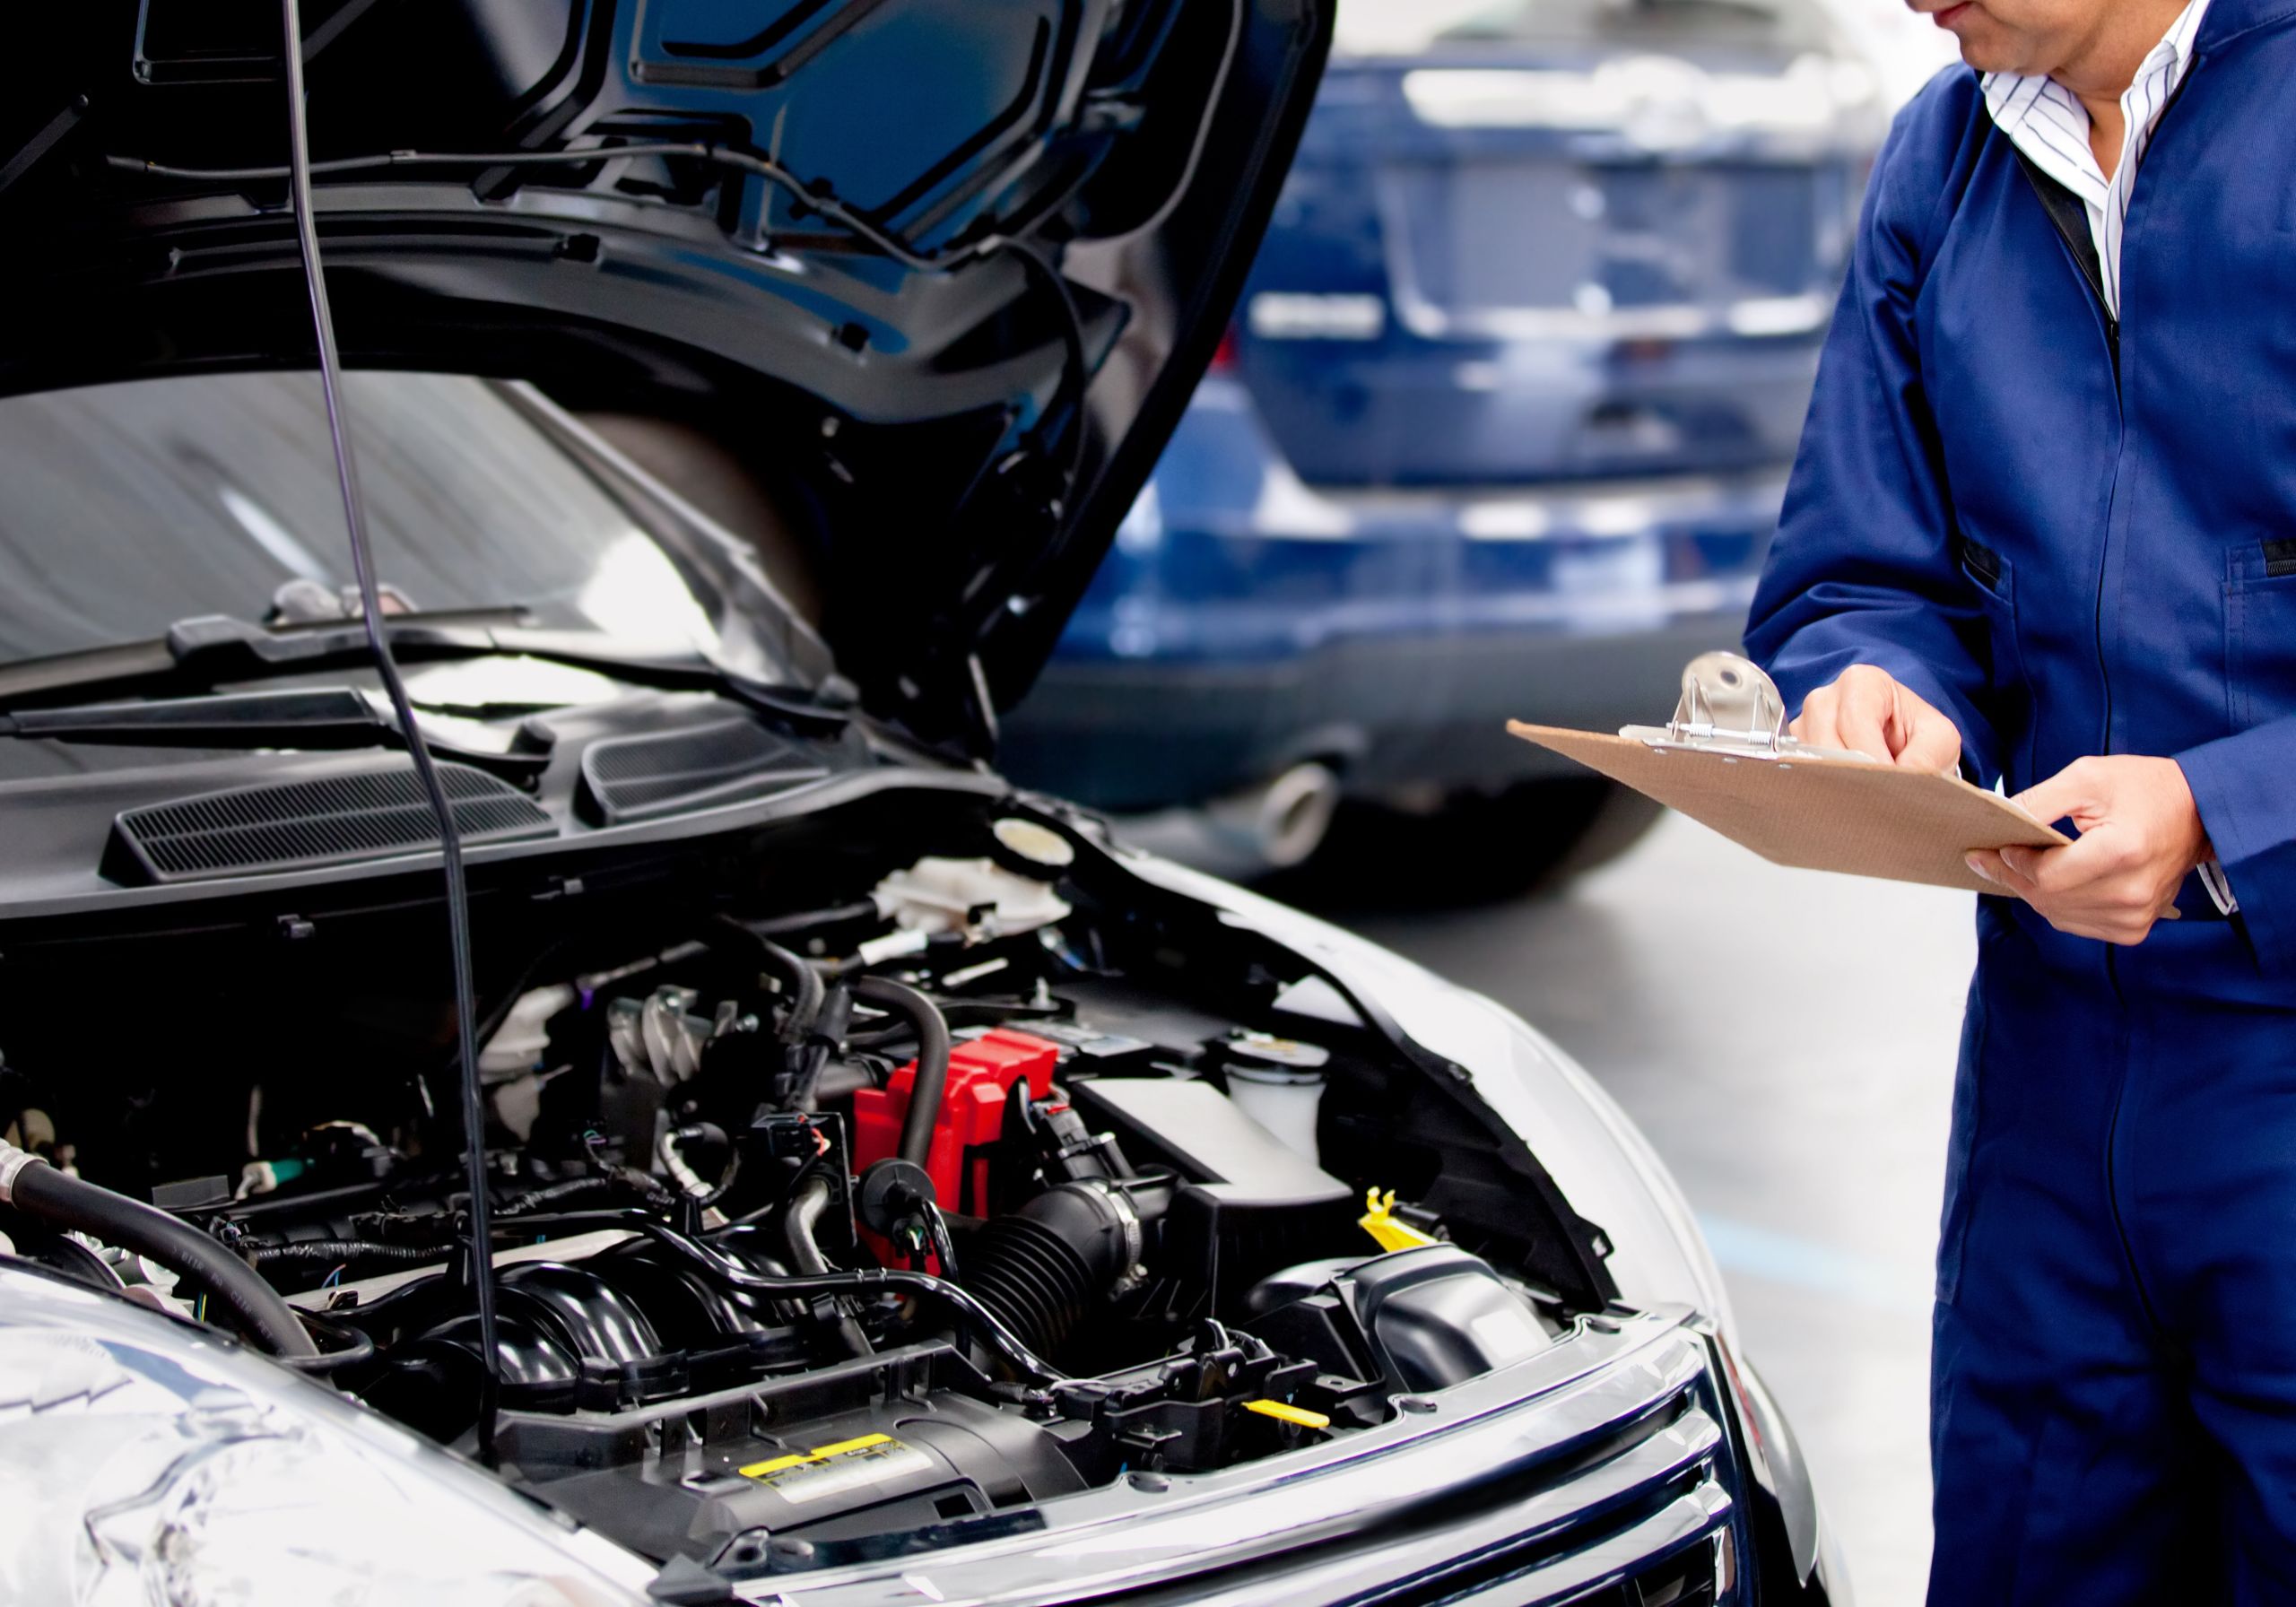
(890, 1189)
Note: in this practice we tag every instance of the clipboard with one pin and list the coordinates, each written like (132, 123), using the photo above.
(1726, 760)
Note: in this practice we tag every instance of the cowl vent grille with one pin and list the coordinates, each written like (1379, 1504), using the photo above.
(330, 820)
(629, 778)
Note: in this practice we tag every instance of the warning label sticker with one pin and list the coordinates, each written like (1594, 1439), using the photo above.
(835, 1468)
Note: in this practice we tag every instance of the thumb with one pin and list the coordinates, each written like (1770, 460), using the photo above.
(2052, 800)
(1935, 746)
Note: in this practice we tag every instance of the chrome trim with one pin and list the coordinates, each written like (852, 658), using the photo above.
(1485, 1544)
(1754, 318)
(1567, 507)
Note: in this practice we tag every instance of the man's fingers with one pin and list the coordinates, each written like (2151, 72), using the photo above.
(2067, 869)
(2126, 930)
(1990, 863)
(2086, 890)
(1934, 745)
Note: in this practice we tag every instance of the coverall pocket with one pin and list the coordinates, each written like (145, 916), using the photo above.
(2260, 632)
(1994, 579)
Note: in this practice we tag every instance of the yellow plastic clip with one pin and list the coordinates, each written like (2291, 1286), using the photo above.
(1380, 1223)
(1283, 1411)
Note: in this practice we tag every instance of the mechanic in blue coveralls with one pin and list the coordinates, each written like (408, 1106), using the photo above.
(2043, 528)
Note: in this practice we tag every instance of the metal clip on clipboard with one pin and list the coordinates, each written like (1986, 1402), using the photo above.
(1730, 706)
(1823, 808)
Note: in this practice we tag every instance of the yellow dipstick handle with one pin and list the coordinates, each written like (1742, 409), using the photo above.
(1380, 1223)
(1283, 1411)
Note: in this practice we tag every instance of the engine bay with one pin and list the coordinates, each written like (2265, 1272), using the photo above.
(856, 1185)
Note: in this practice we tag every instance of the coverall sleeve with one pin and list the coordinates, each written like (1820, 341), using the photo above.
(2241, 784)
(1864, 568)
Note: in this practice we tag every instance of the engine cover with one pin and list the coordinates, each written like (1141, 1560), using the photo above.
(982, 1071)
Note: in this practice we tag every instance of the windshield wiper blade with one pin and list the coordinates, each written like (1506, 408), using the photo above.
(216, 648)
(333, 716)
(320, 719)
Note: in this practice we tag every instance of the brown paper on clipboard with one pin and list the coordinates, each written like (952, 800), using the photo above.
(1852, 815)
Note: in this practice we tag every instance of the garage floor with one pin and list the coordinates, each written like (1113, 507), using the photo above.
(1786, 1040)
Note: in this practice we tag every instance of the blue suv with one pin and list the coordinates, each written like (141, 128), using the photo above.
(1501, 430)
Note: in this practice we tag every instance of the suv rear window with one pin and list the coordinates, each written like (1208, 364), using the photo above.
(1407, 27)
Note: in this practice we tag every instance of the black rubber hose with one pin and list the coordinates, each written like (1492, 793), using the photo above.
(945, 1247)
(352, 1347)
(806, 1203)
(829, 1033)
(932, 1084)
(842, 1083)
(986, 1325)
(255, 1309)
(804, 982)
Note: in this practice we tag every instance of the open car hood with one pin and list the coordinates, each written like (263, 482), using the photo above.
(856, 242)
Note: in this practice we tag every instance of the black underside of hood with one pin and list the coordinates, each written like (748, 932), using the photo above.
(854, 241)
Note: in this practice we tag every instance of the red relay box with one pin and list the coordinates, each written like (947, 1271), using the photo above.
(982, 1071)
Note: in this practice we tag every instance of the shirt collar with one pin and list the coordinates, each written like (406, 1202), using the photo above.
(2050, 124)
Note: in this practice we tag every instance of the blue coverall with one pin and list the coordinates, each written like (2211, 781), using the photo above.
(2077, 540)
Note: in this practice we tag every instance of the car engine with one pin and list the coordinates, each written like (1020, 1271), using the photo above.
(858, 1219)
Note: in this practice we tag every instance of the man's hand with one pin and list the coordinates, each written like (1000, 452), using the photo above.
(1866, 709)
(2140, 836)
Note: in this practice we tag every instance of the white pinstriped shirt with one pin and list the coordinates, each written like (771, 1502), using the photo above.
(2047, 122)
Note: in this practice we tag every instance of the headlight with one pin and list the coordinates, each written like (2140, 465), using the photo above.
(144, 1462)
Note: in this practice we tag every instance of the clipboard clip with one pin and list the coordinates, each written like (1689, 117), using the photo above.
(1729, 706)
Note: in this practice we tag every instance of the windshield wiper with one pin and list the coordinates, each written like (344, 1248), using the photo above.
(321, 719)
(212, 649)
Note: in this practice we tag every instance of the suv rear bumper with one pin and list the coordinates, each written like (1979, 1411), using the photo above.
(1228, 637)
(1393, 713)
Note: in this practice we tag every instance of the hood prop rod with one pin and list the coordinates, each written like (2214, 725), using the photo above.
(450, 847)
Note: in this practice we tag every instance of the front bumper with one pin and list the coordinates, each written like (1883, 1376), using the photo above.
(1611, 1470)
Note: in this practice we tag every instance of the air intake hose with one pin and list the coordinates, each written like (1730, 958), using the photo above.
(253, 1308)
(1044, 1268)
